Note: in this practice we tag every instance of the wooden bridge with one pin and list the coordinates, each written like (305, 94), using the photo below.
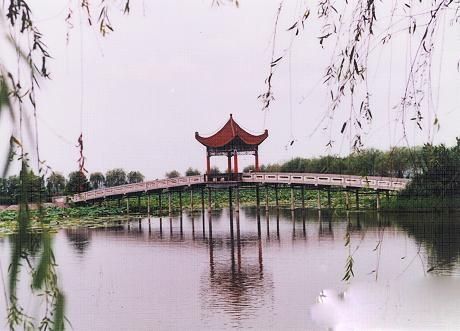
(312, 180)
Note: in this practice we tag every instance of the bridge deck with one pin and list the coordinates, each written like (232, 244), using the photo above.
(309, 179)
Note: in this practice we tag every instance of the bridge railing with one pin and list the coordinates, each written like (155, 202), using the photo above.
(137, 187)
(383, 183)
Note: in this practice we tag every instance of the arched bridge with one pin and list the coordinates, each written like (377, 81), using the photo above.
(253, 178)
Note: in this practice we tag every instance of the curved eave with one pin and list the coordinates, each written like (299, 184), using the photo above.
(218, 140)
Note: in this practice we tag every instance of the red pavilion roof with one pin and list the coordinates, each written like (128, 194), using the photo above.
(230, 131)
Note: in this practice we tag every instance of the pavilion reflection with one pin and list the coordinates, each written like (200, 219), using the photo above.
(237, 282)
(79, 238)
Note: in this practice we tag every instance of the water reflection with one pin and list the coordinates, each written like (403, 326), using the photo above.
(439, 234)
(225, 269)
(237, 284)
(79, 238)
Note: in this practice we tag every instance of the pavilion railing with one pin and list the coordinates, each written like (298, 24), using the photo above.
(226, 177)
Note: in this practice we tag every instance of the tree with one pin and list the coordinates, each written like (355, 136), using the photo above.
(115, 177)
(77, 183)
(192, 172)
(55, 184)
(135, 177)
(214, 171)
(172, 174)
(97, 180)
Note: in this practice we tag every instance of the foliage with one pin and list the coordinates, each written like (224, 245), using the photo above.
(97, 180)
(192, 172)
(115, 177)
(10, 188)
(398, 162)
(135, 177)
(55, 184)
(77, 183)
(172, 174)
(214, 171)
(440, 173)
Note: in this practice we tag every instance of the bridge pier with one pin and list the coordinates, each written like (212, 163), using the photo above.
(318, 198)
(202, 210)
(230, 207)
(237, 202)
(210, 214)
(347, 200)
(378, 200)
(209, 200)
(191, 201)
(148, 206)
(127, 204)
(180, 203)
(266, 199)
(292, 198)
(139, 203)
(276, 197)
(160, 206)
(257, 198)
(169, 205)
(329, 204)
(303, 199)
(357, 199)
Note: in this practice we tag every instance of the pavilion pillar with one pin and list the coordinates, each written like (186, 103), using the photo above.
(235, 162)
(256, 156)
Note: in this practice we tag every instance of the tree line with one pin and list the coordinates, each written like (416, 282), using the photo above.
(41, 189)
(402, 162)
(434, 170)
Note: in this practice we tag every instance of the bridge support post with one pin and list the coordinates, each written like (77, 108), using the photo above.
(169, 204)
(277, 197)
(127, 204)
(357, 199)
(119, 203)
(237, 200)
(210, 214)
(266, 199)
(329, 205)
(257, 198)
(202, 210)
(230, 199)
(148, 206)
(378, 200)
(180, 203)
(292, 198)
(191, 201)
(230, 207)
(209, 200)
(303, 199)
(347, 200)
(138, 203)
(318, 199)
(160, 207)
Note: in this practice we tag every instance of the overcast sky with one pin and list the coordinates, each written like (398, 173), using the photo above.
(174, 67)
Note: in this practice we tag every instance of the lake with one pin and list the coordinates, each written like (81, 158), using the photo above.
(277, 270)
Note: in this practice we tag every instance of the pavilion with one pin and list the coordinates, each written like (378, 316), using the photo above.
(230, 141)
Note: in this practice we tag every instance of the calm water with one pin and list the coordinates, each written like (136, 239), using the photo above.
(285, 273)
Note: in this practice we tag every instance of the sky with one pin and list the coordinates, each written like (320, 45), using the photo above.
(175, 67)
